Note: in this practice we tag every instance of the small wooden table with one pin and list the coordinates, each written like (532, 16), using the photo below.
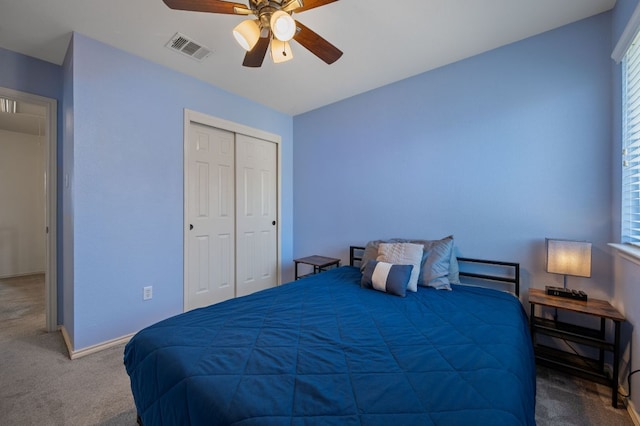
(569, 362)
(319, 263)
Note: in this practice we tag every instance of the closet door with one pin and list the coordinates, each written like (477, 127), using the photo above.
(256, 214)
(210, 210)
(231, 213)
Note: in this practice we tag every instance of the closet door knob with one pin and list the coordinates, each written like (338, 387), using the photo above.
(190, 227)
(273, 223)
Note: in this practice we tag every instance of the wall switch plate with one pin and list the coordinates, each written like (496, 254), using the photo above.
(147, 292)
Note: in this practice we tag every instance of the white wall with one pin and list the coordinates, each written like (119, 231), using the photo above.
(22, 240)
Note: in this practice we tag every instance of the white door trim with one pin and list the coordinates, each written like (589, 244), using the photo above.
(51, 209)
(191, 116)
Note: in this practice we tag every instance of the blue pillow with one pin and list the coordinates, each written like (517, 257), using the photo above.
(386, 277)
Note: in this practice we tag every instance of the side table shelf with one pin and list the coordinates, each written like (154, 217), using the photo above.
(319, 263)
(586, 367)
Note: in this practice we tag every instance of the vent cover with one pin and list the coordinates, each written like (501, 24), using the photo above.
(183, 44)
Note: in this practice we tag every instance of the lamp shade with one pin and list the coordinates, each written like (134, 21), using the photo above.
(282, 25)
(569, 257)
(280, 51)
(247, 34)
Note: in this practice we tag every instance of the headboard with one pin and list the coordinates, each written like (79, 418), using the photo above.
(477, 270)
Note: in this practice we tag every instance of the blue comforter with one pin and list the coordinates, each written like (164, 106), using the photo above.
(323, 351)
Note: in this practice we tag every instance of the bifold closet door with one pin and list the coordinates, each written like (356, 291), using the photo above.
(256, 214)
(210, 259)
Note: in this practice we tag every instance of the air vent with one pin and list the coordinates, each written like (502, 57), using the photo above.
(183, 44)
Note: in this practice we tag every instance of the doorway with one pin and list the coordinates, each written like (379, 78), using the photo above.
(31, 119)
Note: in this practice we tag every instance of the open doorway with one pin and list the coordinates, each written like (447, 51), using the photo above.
(28, 192)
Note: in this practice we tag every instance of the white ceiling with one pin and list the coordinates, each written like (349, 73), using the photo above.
(382, 41)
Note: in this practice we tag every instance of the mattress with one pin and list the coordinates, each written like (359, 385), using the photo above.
(323, 350)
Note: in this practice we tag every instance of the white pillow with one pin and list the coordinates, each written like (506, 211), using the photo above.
(403, 254)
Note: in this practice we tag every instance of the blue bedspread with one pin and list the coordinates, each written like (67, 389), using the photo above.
(323, 351)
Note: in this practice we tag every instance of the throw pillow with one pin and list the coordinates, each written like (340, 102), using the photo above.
(371, 253)
(386, 277)
(435, 267)
(403, 254)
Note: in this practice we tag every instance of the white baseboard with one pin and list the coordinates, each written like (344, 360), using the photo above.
(75, 354)
(67, 340)
(633, 413)
(631, 409)
(23, 274)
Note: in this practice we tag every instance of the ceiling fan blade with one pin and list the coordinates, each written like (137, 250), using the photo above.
(312, 4)
(255, 56)
(212, 6)
(316, 44)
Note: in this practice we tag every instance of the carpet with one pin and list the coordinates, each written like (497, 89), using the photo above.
(562, 399)
(40, 385)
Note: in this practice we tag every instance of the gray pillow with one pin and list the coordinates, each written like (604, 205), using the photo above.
(435, 268)
(443, 247)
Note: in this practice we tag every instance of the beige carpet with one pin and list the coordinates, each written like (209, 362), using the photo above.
(563, 399)
(40, 385)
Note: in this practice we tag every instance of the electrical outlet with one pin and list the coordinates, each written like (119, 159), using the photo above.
(148, 292)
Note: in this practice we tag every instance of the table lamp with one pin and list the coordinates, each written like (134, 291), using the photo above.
(568, 257)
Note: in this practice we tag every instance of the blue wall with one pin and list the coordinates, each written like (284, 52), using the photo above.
(30, 75)
(501, 150)
(127, 186)
(626, 276)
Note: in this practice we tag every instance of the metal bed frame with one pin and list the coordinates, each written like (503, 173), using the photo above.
(476, 269)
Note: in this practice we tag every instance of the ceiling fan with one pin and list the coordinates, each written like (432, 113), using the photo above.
(272, 25)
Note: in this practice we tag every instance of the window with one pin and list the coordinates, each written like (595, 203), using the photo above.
(631, 144)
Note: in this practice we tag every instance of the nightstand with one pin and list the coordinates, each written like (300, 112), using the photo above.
(586, 367)
(319, 263)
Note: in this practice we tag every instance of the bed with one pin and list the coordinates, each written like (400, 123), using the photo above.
(323, 350)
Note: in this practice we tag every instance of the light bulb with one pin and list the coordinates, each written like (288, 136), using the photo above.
(282, 25)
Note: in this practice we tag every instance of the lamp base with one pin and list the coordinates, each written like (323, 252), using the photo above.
(565, 292)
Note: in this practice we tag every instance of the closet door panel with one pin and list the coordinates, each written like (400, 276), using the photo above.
(256, 222)
(210, 210)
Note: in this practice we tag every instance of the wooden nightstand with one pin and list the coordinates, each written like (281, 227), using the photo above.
(319, 263)
(582, 366)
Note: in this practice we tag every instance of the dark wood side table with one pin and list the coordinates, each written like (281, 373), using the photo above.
(319, 263)
(582, 366)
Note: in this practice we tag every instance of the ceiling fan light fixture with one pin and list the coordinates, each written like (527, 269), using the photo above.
(292, 5)
(280, 51)
(247, 34)
(282, 25)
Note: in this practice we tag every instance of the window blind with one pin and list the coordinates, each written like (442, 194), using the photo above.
(631, 144)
